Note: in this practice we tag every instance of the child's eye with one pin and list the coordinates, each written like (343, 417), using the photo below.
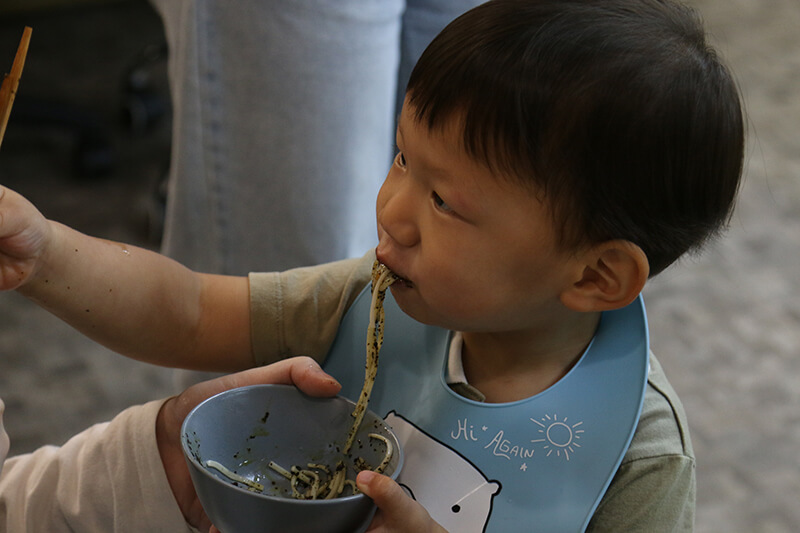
(400, 160)
(441, 204)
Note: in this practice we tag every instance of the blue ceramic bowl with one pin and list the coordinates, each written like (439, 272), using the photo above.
(246, 428)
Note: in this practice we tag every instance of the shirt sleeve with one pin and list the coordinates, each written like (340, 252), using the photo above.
(107, 478)
(298, 312)
(654, 488)
(657, 495)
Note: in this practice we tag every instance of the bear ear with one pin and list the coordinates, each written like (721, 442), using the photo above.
(613, 275)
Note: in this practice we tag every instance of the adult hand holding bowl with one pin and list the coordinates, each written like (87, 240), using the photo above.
(247, 431)
(302, 372)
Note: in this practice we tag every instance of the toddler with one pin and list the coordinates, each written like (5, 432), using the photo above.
(552, 156)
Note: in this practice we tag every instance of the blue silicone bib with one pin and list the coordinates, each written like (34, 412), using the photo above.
(538, 464)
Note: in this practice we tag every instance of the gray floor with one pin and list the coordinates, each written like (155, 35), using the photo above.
(726, 325)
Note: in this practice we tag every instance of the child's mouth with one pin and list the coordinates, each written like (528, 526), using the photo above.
(402, 282)
(399, 281)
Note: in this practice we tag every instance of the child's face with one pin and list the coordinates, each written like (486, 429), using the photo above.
(479, 252)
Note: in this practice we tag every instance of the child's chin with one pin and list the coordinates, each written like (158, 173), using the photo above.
(403, 294)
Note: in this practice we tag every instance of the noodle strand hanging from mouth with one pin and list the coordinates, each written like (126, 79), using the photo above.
(382, 278)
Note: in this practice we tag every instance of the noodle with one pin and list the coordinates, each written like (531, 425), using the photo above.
(317, 481)
(254, 485)
(314, 478)
(388, 456)
(382, 277)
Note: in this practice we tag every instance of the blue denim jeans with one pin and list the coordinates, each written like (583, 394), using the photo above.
(284, 117)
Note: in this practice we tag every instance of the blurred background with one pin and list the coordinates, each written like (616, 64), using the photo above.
(89, 143)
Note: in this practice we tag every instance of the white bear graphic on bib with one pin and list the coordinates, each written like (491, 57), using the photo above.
(458, 495)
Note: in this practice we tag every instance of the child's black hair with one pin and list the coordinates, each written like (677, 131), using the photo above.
(617, 111)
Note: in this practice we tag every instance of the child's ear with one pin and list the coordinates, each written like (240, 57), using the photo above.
(613, 274)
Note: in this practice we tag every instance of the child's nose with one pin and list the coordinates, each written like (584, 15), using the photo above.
(397, 209)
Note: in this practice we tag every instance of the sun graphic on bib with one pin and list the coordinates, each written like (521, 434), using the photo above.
(559, 436)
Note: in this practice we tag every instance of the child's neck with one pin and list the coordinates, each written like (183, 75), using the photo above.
(510, 366)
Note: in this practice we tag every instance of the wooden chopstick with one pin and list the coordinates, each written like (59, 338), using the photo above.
(11, 81)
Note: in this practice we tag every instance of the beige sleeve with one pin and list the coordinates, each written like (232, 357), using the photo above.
(298, 312)
(654, 488)
(108, 478)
